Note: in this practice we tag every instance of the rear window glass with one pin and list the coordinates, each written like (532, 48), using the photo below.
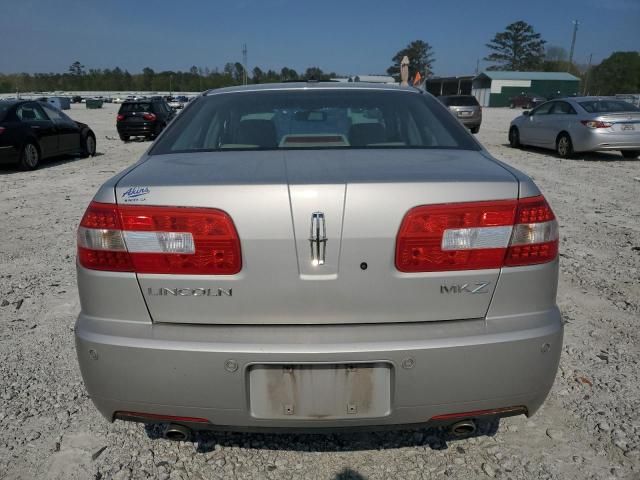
(465, 101)
(608, 106)
(289, 119)
(135, 107)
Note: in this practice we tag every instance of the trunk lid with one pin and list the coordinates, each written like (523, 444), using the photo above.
(627, 123)
(272, 197)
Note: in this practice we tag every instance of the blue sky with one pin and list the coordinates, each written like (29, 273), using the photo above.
(347, 36)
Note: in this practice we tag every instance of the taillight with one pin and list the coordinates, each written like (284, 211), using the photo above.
(2, 129)
(477, 235)
(119, 118)
(150, 117)
(595, 124)
(535, 235)
(152, 239)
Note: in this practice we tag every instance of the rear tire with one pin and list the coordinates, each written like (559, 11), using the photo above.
(564, 146)
(475, 130)
(89, 145)
(514, 138)
(631, 154)
(124, 138)
(29, 157)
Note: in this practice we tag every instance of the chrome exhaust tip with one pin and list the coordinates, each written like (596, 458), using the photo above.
(463, 429)
(177, 433)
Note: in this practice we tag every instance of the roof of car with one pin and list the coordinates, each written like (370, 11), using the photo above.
(313, 86)
(14, 101)
(505, 75)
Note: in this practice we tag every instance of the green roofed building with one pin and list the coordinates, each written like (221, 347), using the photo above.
(495, 88)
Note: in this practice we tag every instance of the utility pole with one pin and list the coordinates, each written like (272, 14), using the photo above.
(586, 75)
(573, 41)
(244, 63)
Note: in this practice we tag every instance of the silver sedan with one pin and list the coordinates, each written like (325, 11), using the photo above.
(580, 124)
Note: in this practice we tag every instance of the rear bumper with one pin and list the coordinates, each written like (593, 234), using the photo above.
(9, 154)
(586, 140)
(437, 368)
(140, 129)
(471, 122)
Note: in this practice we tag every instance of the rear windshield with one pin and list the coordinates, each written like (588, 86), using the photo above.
(608, 106)
(271, 120)
(464, 101)
(135, 107)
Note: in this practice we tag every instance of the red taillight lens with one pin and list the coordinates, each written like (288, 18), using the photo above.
(595, 124)
(100, 242)
(476, 235)
(150, 117)
(2, 129)
(535, 234)
(119, 118)
(167, 240)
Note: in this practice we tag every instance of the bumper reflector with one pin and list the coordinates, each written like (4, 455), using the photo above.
(157, 418)
(504, 412)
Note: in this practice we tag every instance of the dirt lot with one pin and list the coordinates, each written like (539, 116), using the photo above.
(588, 428)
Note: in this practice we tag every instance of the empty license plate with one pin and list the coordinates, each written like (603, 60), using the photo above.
(465, 114)
(320, 392)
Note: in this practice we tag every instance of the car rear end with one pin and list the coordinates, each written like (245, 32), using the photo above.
(466, 109)
(136, 119)
(11, 136)
(317, 288)
(606, 124)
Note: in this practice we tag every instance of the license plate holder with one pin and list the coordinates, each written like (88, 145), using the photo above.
(320, 391)
(627, 127)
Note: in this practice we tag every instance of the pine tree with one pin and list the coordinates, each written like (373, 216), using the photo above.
(518, 48)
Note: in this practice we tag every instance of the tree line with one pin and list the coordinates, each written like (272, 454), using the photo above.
(518, 48)
(196, 79)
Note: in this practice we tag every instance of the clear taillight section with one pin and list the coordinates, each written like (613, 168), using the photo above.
(153, 239)
(477, 235)
(535, 235)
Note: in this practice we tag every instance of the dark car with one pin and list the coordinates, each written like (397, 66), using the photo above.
(143, 118)
(526, 100)
(466, 109)
(31, 131)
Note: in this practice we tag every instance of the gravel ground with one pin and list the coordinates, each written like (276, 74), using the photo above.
(589, 428)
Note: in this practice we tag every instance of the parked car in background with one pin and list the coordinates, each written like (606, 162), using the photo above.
(466, 108)
(178, 102)
(76, 99)
(580, 124)
(527, 101)
(61, 103)
(143, 118)
(31, 131)
(317, 256)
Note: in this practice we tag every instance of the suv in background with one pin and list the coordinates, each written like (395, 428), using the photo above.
(143, 118)
(526, 101)
(466, 109)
